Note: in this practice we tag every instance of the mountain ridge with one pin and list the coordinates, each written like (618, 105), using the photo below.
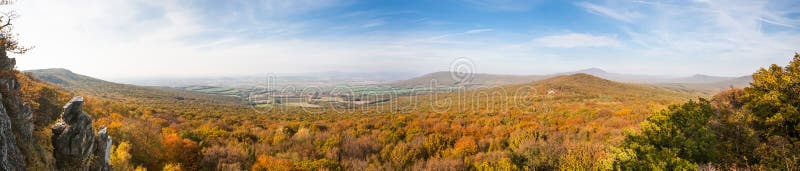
(118, 91)
(698, 82)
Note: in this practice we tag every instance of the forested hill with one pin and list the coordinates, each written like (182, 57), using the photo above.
(115, 91)
(593, 86)
(579, 91)
(699, 84)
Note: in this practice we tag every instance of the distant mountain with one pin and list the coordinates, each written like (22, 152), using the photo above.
(104, 89)
(593, 86)
(700, 78)
(628, 78)
(739, 82)
(444, 78)
(703, 84)
(65, 78)
(590, 71)
(650, 79)
(709, 88)
(567, 91)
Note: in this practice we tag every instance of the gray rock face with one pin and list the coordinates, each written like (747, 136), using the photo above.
(20, 112)
(102, 152)
(75, 146)
(73, 137)
(16, 119)
(10, 155)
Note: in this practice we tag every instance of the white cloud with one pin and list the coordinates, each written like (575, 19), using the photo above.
(608, 12)
(156, 39)
(131, 38)
(724, 38)
(373, 23)
(573, 40)
(476, 31)
(505, 5)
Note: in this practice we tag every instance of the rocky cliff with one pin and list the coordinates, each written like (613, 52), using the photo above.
(74, 144)
(16, 125)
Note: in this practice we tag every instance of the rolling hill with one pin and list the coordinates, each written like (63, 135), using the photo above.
(696, 84)
(710, 88)
(593, 86)
(86, 85)
(572, 92)
(583, 88)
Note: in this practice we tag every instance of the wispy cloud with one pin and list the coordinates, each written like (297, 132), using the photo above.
(504, 5)
(373, 23)
(573, 40)
(476, 31)
(719, 37)
(609, 12)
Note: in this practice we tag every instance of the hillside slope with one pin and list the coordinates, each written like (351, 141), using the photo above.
(710, 88)
(593, 86)
(584, 90)
(115, 91)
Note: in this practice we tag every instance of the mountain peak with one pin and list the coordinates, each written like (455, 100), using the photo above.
(700, 75)
(580, 76)
(592, 71)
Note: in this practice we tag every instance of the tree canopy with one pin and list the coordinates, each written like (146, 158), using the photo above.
(752, 128)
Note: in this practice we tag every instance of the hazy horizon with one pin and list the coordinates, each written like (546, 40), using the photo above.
(123, 39)
(402, 75)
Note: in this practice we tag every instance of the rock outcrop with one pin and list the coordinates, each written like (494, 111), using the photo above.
(102, 150)
(75, 145)
(10, 155)
(16, 119)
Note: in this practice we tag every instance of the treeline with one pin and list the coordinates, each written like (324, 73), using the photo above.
(739, 129)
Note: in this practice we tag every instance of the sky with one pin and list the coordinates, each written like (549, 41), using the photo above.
(115, 39)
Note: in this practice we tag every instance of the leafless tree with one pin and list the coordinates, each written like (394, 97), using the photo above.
(8, 39)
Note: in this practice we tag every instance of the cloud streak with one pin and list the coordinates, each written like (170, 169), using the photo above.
(574, 40)
(609, 12)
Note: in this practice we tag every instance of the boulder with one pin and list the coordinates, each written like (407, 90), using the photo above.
(75, 146)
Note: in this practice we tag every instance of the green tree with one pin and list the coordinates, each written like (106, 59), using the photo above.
(672, 139)
(774, 100)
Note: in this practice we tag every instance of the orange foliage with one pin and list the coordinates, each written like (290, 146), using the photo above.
(271, 164)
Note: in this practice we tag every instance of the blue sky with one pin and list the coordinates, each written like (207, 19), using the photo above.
(119, 39)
